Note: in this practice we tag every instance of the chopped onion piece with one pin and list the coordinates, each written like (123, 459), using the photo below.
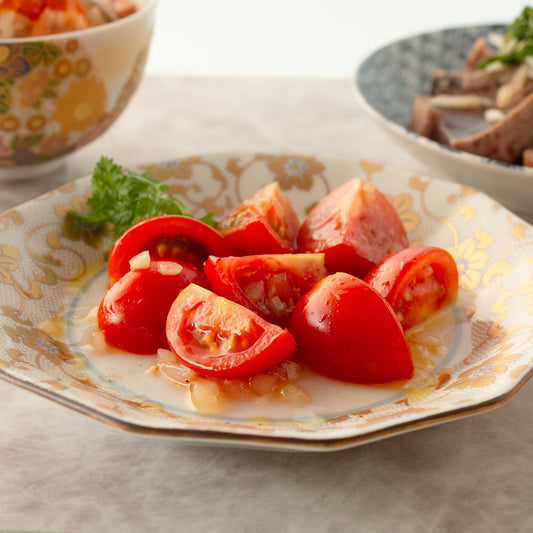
(206, 396)
(494, 115)
(292, 369)
(141, 261)
(508, 92)
(294, 395)
(264, 383)
(173, 369)
(169, 268)
(97, 342)
(496, 39)
(237, 389)
(92, 315)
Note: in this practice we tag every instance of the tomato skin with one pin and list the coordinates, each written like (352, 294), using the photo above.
(270, 285)
(264, 223)
(133, 312)
(416, 282)
(220, 338)
(195, 240)
(355, 226)
(345, 330)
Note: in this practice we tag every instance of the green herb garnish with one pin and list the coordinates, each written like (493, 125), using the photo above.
(517, 41)
(121, 198)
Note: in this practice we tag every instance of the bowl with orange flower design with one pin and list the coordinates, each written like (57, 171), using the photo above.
(60, 91)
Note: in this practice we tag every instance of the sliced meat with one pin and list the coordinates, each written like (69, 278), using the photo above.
(505, 140)
(425, 117)
(454, 125)
(487, 112)
(470, 131)
(445, 117)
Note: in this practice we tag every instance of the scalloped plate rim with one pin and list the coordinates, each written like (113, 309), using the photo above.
(273, 442)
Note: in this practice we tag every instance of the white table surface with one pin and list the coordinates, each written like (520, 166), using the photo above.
(63, 472)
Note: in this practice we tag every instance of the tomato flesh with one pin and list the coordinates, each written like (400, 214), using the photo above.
(133, 312)
(416, 282)
(355, 226)
(221, 338)
(265, 223)
(34, 8)
(347, 331)
(269, 285)
(170, 237)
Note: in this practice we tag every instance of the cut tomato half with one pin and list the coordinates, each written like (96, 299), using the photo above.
(221, 338)
(355, 226)
(134, 310)
(269, 285)
(416, 282)
(265, 223)
(169, 237)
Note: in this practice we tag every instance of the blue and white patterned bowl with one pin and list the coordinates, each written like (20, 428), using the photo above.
(386, 85)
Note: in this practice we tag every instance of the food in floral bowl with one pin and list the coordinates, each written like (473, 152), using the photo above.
(68, 68)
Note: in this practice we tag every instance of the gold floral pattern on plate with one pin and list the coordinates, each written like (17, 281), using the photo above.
(44, 269)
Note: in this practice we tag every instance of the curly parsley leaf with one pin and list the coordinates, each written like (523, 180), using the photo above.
(522, 27)
(517, 42)
(121, 198)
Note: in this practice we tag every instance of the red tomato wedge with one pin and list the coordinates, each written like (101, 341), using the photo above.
(355, 226)
(416, 282)
(221, 338)
(269, 285)
(265, 223)
(346, 330)
(170, 237)
(134, 310)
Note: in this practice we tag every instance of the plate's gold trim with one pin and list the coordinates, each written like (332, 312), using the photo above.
(43, 265)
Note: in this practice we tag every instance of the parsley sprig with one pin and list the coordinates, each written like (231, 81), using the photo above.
(517, 41)
(121, 198)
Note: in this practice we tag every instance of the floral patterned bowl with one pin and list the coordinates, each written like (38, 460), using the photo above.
(60, 92)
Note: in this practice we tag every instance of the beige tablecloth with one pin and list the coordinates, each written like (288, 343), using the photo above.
(61, 471)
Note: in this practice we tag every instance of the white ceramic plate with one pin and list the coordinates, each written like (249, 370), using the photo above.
(48, 282)
(386, 84)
